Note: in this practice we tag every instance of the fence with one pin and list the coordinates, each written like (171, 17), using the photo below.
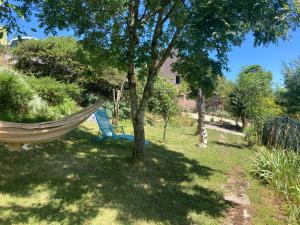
(282, 132)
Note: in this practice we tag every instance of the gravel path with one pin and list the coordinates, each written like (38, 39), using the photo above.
(210, 126)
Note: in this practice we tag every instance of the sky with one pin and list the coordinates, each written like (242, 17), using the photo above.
(271, 57)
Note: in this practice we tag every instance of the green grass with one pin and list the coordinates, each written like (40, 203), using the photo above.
(76, 180)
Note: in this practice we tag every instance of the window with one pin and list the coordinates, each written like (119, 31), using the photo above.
(177, 79)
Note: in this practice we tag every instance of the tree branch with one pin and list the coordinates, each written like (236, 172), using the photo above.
(169, 49)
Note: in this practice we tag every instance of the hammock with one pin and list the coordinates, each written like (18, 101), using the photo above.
(16, 134)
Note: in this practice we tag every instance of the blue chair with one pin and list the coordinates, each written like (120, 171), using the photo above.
(107, 130)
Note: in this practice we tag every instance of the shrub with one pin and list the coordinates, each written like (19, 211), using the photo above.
(280, 169)
(53, 56)
(30, 99)
(124, 108)
(61, 99)
(15, 96)
(66, 107)
(65, 59)
(252, 135)
(53, 91)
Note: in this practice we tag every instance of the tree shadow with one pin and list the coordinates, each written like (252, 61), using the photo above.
(83, 177)
(230, 145)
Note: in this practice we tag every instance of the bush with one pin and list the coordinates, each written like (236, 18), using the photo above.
(53, 91)
(15, 96)
(61, 99)
(54, 56)
(124, 108)
(66, 107)
(65, 59)
(30, 99)
(252, 136)
(280, 169)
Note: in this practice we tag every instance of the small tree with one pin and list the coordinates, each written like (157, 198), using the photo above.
(223, 90)
(164, 101)
(253, 97)
(290, 96)
(237, 107)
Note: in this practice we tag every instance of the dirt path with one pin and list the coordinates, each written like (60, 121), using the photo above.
(240, 213)
(235, 192)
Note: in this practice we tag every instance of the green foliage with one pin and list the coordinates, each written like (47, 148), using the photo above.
(252, 97)
(199, 72)
(65, 59)
(204, 25)
(53, 91)
(30, 99)
(124, 108)
(164, 101)
(10, 13)
(252, 136)
(290, 96)
(54, 56)
(66, 107)
(223, 90)
(280, 169)
(237, 107)
(137, 34)
(15, 95)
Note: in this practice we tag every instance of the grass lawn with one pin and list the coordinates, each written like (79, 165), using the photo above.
(77, 180)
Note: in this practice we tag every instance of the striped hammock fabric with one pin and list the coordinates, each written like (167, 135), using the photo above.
(16, 134)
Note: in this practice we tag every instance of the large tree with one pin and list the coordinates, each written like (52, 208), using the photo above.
(135, 33)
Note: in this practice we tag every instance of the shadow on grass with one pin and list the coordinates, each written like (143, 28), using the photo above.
(83, 177)
(230, 145)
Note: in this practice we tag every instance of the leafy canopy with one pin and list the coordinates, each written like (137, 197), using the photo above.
(164, 101)
(253, 96)
(189, 25)
(199, 72)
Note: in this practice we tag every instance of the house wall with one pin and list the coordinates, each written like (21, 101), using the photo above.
(165, 71)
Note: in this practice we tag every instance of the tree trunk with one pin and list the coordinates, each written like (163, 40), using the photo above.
(138, 108)
(139, 137)
(244, 122)
(201, 131)
(117, 95)
(165, 129)
(201, 111)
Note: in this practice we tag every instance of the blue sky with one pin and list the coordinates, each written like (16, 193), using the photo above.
(270, 57)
